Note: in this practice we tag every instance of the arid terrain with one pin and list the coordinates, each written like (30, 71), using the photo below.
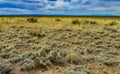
(59, 45)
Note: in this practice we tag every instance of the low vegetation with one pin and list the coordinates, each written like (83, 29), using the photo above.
(67, 45)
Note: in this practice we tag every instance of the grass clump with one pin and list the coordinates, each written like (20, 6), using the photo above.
(32, 20)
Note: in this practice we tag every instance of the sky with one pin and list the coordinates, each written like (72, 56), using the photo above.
(60, 7)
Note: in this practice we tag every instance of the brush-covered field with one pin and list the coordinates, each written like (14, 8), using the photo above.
(59, 45)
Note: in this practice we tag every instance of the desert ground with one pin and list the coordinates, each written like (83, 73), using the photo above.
(59, 45)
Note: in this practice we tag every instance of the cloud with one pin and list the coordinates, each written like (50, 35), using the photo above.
(13, 11)
(66, 7)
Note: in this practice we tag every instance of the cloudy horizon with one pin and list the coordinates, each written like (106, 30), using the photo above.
(60, 7)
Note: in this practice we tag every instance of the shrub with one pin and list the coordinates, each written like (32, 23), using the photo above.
(5, 55)
(34, 32)
(110, 29)
(44, 50)
(72, 58)
(83, 51)
(7, 49)
(93, 22)
(37, 33)
(58, 20)
(79, 69)
(119, 65)
(15, 59)
(27, 64)
(55, 58)
(0, 29)
(36, 47)
(32, 20)
(86, 22)
(88, 57)
(108, 61)
(76, 22)
(42, 62)
(113, 23)
(6, 67)
(64, 53)
(42, 58)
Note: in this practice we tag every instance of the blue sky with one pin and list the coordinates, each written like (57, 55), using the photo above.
(60, 7)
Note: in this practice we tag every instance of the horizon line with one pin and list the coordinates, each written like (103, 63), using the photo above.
(92, 15)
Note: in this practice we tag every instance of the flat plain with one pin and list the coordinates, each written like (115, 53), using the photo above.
(59, 45)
